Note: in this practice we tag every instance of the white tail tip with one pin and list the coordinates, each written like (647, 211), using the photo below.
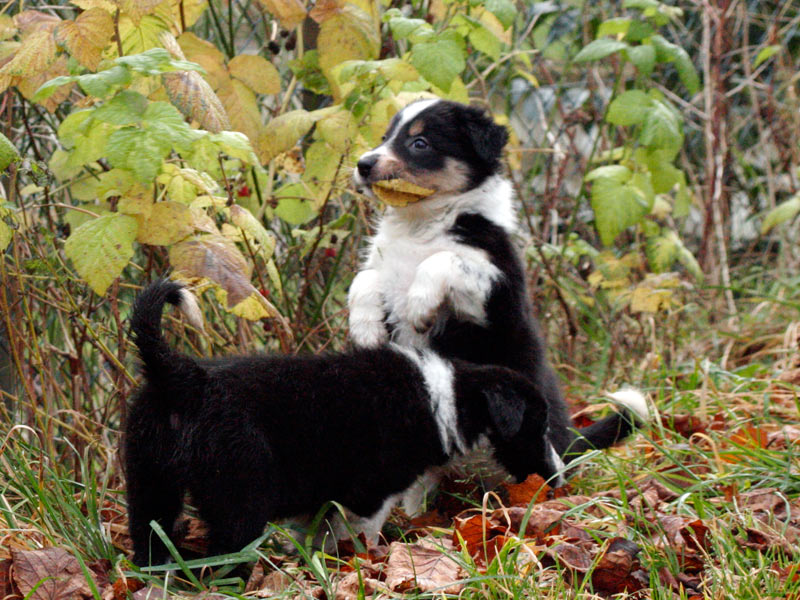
(191, 310)
(634, 400)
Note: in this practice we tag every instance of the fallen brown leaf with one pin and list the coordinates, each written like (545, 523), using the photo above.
(533, 489)
(422, 566)
(6, 583)
(356, 585)
(49, 574)
(614, 572)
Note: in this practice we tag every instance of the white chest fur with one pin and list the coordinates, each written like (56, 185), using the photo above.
(416, 271)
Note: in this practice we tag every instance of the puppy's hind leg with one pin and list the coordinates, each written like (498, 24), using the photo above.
(153, 495)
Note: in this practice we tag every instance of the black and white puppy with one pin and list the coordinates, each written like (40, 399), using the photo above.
(443, 273)
(258, 438)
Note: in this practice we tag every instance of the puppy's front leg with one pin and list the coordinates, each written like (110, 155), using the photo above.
(464, 282)
(367, 329)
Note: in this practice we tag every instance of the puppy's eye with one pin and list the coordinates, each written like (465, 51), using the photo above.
(420, 144)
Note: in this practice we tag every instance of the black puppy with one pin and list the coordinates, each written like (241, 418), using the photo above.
(258, 438)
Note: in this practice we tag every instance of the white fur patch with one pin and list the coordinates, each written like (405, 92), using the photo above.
(189, 307)
(634, 400)
(445, 278)
(558, 465)
(404, 241)
(438, 375)
(366, 310)
(410, 112)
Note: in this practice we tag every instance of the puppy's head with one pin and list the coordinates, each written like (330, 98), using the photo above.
(436, 144)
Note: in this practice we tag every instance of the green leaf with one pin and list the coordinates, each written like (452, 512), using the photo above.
(662, 251)
(599, 49)
(6, 233)
(8, 153)
(616, 207)
(439, 61)
(784, 212)
(613, 27)
(766, 54)
(618, 173)
(295, 206)
(504, 10)
(402, 28)
(155, 62)
(126, 108)
(100, 84)
(662, 129)
(167, 123)
(101, 248)
(641, 4)
(643, 57)
(137, 150)
(235, 145)
(629, 108)
(687, 259)
(638, 31)
(484, 41)
(74, 127)
(666, 51)
(92, 145)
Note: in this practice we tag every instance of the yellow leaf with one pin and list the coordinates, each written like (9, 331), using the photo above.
(282, 133)
(193, 96)
(28, 85)
(216, 258)
(338, 130)
(142, 35)
(6, 233)
(240, 104)
(256, 72)
(187, 12)
(87, 36)
(136, 204)
(245, 220)
(207, 56)
(30, 21)
(37, 53)
(106, 5)
(137, 9)
(645, 299)
(7, 27)
(348, 35)
(289, 13)
(167, 223)
(252, 308)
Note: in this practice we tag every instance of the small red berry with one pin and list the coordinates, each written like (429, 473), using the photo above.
(330, 252)
(243, 191)
(264, 292)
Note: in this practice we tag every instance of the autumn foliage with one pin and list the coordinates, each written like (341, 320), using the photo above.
(653, 149)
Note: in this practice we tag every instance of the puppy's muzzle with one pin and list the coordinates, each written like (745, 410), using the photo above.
(366, 164)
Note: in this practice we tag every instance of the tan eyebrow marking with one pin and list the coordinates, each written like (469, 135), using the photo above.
(417, 127)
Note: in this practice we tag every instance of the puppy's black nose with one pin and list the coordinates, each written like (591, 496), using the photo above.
(365, 165)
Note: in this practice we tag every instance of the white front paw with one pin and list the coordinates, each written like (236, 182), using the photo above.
(368, 333)
(422, 307)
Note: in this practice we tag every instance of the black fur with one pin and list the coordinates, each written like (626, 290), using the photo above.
(257, 438)
(512, 339)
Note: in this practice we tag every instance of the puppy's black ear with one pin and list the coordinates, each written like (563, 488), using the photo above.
(506, 409)
(487, 137)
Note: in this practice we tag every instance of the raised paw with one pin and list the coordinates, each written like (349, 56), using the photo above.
(368, 333)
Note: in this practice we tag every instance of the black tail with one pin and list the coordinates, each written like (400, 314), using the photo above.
(163, 366)
(632, 413)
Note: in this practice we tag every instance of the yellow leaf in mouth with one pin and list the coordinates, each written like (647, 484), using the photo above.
(399, 192)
